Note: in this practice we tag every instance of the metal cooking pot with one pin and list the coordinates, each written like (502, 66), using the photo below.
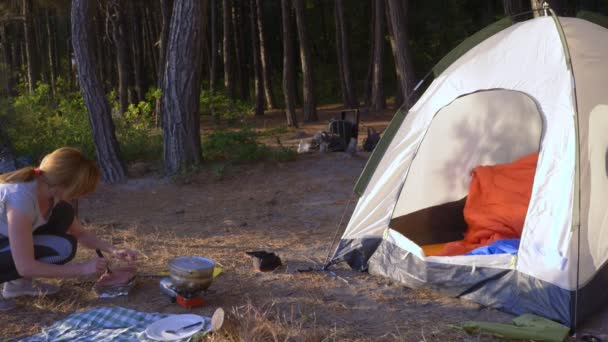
(191, 273)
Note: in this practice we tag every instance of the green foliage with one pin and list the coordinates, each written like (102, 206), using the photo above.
(242, 146)
(39, 122)
(222, 108)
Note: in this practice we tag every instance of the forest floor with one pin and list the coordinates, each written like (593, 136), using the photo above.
(291, 208)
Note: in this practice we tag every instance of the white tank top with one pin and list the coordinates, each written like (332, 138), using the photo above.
(22, 197)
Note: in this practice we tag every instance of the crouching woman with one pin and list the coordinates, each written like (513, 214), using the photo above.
(38, 229)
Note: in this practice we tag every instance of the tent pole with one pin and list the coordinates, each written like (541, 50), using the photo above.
(328, 262)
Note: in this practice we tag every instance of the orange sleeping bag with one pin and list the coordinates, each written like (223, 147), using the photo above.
(497, 204)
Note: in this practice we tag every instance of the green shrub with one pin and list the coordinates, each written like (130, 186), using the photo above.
(222, 108)
(241, 146)
(135, 129)
(39, 123)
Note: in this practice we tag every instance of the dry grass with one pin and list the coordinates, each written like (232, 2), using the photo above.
(268, 323)
(291, 209)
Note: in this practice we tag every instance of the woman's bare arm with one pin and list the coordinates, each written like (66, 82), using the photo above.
(88, 238)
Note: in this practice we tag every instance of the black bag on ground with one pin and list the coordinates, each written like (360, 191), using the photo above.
(264, 261)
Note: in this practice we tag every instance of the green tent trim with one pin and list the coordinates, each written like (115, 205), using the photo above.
(374, 159)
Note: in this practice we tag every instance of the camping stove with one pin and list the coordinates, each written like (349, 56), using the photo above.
(185, 298)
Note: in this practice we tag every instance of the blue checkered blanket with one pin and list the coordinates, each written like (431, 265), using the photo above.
(103, 324)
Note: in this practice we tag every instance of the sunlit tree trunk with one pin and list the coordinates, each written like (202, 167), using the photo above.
(228, 49)
(265, 59)
(289, 91)
(120, 35)
(377, 99)
(367, 85)
(240, 25)
(137, 47)
(30, 45)
(537, 6)
(403, 62)
(166, 7)
(106, 145)
(309, 105)
(257, 65)
(348, 89)
(50, 32)
(150, 36)
(213, 54)
(182, 85)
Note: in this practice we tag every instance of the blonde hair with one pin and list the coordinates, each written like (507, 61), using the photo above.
(66, 167)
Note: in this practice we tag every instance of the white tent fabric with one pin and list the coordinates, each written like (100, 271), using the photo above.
(483, 128)
(590, 64)
(529, 58)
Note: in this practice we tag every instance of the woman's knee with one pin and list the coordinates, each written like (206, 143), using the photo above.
(55, 249)
(74, 248)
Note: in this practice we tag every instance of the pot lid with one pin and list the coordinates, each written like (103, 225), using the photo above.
(192, 263)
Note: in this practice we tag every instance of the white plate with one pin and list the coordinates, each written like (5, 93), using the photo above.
(157, 330)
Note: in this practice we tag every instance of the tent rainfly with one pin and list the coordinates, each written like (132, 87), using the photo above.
(535, 86)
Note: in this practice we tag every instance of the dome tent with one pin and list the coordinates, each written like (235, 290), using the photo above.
(539, 85)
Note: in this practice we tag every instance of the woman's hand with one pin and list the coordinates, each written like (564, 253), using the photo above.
(125, 254)
(94, 266)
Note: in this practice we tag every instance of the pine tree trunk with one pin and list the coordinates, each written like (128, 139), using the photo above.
(106, 145)
(398, 20)
(152, 36)
(378, 100)
(120, 35)
(50, 42)
(137, 48)
(391, 37)
(206, 53)
(289, 91)
(12, 57)
(340, 65)
(309, 106)
(166, 7)
(23, 53)
(30, 45)
(537, 7)
(7, 60)
(213, 61)
(265, 60)
(514, 7)
(239, 50)
(342, 40)
(39, 27)
(258, 84)
(228, 49)
(181, 90)
(102, 54)
(367, 89)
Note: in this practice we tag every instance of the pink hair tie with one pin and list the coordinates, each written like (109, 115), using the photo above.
(37, 171)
